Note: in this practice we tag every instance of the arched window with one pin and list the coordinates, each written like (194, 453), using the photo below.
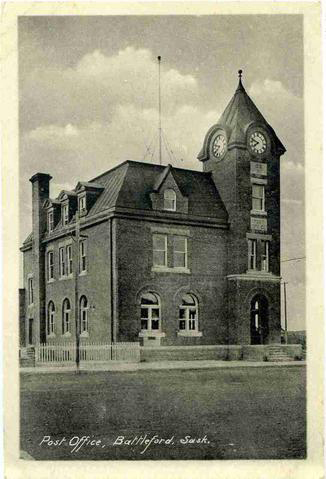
(65, 316)
(259, 320)
(188, 313)
(83, 314)
(150, 312)
(170, 201)
(51, 318)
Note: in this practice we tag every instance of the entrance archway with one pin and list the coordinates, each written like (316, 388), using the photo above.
(259, 320)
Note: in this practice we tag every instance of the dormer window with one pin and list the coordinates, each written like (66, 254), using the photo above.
(82, 204)
(170, 201)
(50, 221)
(65, 214)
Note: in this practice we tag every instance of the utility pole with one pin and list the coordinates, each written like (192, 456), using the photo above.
(285, 315)
(77, 235)
(159, 110)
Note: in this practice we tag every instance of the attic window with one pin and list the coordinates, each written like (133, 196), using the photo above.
(50, 221)
(65, 214)
(82, 204)
(170, 201)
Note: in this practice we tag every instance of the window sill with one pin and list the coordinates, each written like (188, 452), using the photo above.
(258, 212)
(84, 334)
(52, 335)
(259, 271)
(165, 269)
(69, 276)
(52, 280)
(156, 334)
(190, 334)
(83, 273)
(67, 334)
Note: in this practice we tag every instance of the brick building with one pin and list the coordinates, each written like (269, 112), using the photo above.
(163, 255)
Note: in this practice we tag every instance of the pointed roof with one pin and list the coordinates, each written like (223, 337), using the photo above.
(240, 113)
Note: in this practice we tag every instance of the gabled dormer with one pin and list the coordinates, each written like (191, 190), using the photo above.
(53, 211)
(68, 201)
(167, 194)
(87, 194)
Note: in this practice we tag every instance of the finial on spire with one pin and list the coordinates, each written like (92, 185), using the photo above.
(240, 74)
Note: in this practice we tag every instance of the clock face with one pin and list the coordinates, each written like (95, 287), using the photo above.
(219, 145)
(257, 142)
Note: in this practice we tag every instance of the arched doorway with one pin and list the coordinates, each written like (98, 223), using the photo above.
(259, 320)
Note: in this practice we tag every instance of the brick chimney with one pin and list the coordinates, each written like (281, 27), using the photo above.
(40, 192)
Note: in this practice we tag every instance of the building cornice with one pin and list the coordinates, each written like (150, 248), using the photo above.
(137, 214)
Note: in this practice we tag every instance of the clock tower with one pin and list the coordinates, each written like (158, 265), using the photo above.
(242, 152)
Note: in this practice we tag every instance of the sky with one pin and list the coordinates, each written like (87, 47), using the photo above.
(88, 100)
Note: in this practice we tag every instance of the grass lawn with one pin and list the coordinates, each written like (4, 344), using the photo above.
(238, 413)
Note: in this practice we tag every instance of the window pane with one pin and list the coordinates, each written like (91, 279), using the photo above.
(159, 258)
(179, 260)
(192, 325)
(182, 313)
(159, 242)
(257, 204)
(179, 243)
(182, 324)
(192, 313)
(144, 313)
(155, 313)
(155, 323)
(144, 324)
(149, 298)
(188, 300)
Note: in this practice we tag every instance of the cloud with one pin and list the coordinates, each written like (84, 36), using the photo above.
(97, 84)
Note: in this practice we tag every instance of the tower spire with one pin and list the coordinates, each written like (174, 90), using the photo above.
(240, 86)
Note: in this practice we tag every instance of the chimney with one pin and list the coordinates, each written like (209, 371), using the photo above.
(40, 192)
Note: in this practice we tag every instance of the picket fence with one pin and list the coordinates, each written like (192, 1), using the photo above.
(88, 351)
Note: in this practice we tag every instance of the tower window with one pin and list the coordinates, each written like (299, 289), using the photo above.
(265, 256)
(258, 197)
(30, 291)
(170, 201)
(252, 251)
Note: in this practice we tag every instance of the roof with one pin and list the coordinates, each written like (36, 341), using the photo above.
(240, 113)
(130, 184)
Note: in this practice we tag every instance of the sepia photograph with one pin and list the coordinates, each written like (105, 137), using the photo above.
(161, 185)
(162, 240)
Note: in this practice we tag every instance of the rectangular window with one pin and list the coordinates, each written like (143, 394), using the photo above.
(82, 256)
(258, 197)
(65, 214)
(82, 204)
(30, 291)
(69, 259)
(62, 269)
(252, 248)
(159, 250)
(50, 221)
(50, 265)
(265, 256)
(179, 252)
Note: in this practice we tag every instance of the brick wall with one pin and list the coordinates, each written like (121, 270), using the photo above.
(206, 253)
